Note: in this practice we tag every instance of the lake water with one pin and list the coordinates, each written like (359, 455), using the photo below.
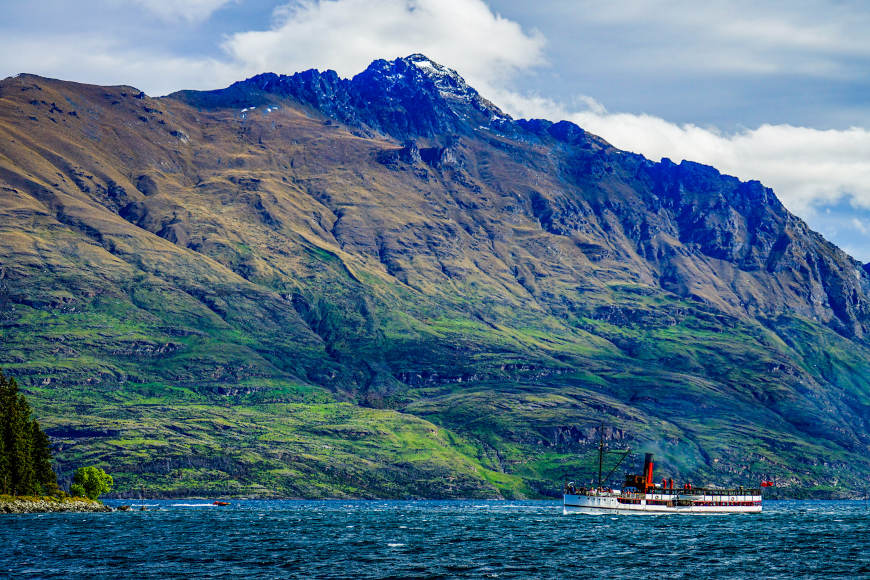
(462, 539)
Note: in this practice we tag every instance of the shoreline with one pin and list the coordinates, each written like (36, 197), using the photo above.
(49, 504)
(136, 501)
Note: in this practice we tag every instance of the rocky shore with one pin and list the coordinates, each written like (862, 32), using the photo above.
(22, 505)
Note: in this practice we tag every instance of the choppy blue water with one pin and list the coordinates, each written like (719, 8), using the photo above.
(462, 539)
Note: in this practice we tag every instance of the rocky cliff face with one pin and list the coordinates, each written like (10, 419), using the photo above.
(387, 264)
(410, 97)
(692, 230)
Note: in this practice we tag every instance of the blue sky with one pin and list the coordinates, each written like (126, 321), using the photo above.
(769, 90)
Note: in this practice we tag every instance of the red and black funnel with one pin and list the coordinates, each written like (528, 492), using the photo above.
(648, 469)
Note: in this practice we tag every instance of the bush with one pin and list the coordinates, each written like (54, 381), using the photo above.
(90, 482)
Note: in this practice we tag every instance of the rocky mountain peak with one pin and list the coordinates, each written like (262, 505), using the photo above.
(419, 72)
(406, 98)
(416, 96)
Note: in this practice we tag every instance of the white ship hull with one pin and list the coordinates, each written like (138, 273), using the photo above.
(652, 503)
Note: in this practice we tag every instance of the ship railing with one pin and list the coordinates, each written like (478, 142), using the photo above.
(718, 491)
(695, 491)
(699, 491)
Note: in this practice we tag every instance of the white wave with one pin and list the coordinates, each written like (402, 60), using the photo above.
(193, 505)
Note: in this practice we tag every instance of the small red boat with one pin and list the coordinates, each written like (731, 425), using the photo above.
(221, 503)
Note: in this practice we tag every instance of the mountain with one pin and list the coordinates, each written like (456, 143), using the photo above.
(385, 286)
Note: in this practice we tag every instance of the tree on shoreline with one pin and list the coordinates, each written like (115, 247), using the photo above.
(91, 482)
(25, 450)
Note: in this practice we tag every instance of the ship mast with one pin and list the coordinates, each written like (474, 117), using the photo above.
(600, 452)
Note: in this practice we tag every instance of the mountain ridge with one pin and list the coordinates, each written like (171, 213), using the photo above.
(407, 70)
(501, 283)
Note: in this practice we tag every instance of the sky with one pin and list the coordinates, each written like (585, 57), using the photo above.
(777, 91)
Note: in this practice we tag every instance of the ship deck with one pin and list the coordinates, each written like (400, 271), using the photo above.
(666, 501)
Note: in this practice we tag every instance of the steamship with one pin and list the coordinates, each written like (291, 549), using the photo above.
(640, 495)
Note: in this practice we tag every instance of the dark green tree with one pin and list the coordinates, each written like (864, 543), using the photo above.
(17, 472)
(41, 459)
(91, 482)
(5, 477)
(23, 479)
(25, 451)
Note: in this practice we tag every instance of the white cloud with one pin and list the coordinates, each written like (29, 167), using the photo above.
(189, 10)
(806, 167)
(105, 61)
(346, 35)
(812, 37)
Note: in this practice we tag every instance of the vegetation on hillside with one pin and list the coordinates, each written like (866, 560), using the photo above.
(274, 303)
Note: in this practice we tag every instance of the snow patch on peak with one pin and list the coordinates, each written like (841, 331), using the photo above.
(431, 67)
(424, 64)
(448, 82)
